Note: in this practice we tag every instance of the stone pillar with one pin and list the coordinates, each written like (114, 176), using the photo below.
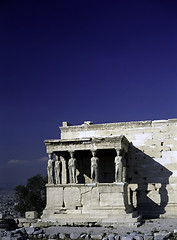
(72, 168)
(94, 167)
(57, 170)
(50, 169)
(64, 171)
(119, 166)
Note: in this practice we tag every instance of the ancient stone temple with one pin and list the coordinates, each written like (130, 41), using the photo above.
(112, 173)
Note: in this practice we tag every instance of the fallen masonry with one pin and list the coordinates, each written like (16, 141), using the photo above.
(150, 230)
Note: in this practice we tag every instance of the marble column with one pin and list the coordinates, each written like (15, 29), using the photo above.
(50, 169)
(72, 168)
(94, 167)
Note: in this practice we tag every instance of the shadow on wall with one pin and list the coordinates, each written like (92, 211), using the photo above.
(147, 179)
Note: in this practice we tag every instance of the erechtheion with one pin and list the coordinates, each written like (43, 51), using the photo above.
(112, 173)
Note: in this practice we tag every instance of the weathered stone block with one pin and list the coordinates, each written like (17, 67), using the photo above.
(74, 235)
(154, 196)
(111, 199)
(54, 196)
(29, 230)
(31, 215)
(90, 199)
(72, 197)
(141, 139)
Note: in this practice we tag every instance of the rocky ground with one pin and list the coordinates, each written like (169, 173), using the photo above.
(156, 229)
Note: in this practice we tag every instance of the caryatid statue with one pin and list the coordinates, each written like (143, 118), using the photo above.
(94, 167)
(119, 166)
(72, 168)
(50, 169)
(57, 170)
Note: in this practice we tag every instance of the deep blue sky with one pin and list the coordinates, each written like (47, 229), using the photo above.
(104, 61)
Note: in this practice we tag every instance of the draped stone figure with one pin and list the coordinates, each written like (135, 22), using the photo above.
(57, 170)
(50, 169)
(119, 166)
(72, 168)
(94, 167)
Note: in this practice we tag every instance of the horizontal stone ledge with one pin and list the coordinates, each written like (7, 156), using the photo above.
(106, 126)
(87, 184)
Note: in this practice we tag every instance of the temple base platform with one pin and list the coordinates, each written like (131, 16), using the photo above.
(104, 204)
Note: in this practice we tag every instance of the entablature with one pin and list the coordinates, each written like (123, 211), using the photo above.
(57, 145)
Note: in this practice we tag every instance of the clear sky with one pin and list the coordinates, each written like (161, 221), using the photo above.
(78, 60)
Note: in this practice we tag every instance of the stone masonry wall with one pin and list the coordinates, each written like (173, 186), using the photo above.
(151, 161)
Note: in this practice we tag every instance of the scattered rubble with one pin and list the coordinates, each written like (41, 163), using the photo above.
(150, 230)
